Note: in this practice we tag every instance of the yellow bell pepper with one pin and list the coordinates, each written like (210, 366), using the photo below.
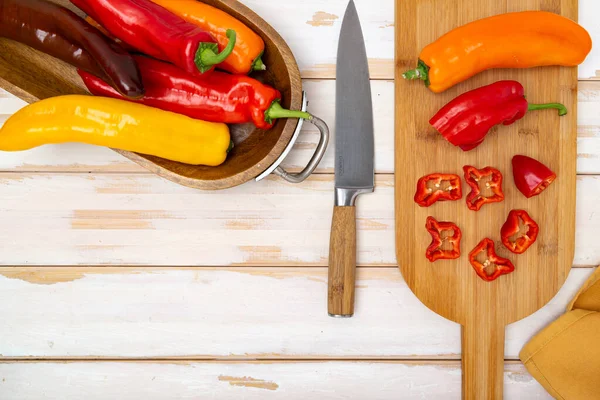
(117, 124)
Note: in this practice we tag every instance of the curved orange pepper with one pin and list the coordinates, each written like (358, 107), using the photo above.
(512, 40)
(249, 47)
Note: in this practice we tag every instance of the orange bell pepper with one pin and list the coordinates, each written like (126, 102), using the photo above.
(512, 40)
(248, 50)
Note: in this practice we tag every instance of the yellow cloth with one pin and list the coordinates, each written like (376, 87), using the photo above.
(565, 356)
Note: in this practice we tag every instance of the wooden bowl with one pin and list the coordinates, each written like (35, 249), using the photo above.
(32, 76)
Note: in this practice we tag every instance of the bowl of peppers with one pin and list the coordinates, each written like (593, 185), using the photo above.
(203, 93)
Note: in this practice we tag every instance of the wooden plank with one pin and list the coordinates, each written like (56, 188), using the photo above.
(228, 313)
(141, 219)
(258, 381)
(82, 158)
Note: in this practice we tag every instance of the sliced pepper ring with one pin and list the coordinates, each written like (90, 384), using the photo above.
(475, 200)
(512, 227)
(503, 265)
(425, 195)
(435, 251)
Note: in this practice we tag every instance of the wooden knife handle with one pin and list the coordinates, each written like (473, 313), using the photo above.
(482, 360)
(342, 262)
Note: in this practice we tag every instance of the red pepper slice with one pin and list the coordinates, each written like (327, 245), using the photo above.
(466, 120)
(475, 200)
(430, 189)
(503, 266)
(531, 176)
(512, 227)
(435, 251)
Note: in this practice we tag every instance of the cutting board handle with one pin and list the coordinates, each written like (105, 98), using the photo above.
(482, 360)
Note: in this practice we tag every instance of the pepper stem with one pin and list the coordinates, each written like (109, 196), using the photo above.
(275, 111)
(421, 72)
(208, 53)
(258, 64)
(562, 110)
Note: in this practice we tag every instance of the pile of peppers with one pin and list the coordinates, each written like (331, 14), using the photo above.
(137, 56)
(511, 40)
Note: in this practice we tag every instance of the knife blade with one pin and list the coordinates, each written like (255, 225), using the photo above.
(354, 160)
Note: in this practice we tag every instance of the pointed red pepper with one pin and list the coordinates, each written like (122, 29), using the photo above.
(512, 227)
(435, 251)
(475, 200)
(232, 99)
(466, 120)
(502, 266)
(531, 176)
(157, 32)
(431, 188)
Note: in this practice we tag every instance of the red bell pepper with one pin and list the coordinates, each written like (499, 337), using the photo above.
(431, 188)
(153, 30)
(435, 250)
(502, 266)
(475, 200)
(512, 227)
(232, 99)
(531, 176)
(466, 120)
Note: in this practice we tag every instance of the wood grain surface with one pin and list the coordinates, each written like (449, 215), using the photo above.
(98, 312)
(342, 262)
(249, 381)
(137, 298)
(451, 288)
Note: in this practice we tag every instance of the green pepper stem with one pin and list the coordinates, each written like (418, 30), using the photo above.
(417, 73)
(258, 64)
(275, 111)
(421, 72)
(208, 53)
(562, 110)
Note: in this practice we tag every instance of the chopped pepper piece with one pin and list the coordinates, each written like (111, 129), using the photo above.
(435, 251)
(475, 200)
(502, 266)
(531, 176)
(430, 189)
(512, 227)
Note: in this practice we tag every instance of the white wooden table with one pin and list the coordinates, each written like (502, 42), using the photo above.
(117, 284)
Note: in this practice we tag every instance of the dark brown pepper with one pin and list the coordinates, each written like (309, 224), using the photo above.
(59, 32)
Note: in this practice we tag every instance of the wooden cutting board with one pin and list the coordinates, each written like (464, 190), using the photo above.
(450, 287)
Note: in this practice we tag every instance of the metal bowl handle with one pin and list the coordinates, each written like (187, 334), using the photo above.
(276, 169)
(315, 159)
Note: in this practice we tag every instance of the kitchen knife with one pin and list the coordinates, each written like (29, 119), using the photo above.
(354, 160)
